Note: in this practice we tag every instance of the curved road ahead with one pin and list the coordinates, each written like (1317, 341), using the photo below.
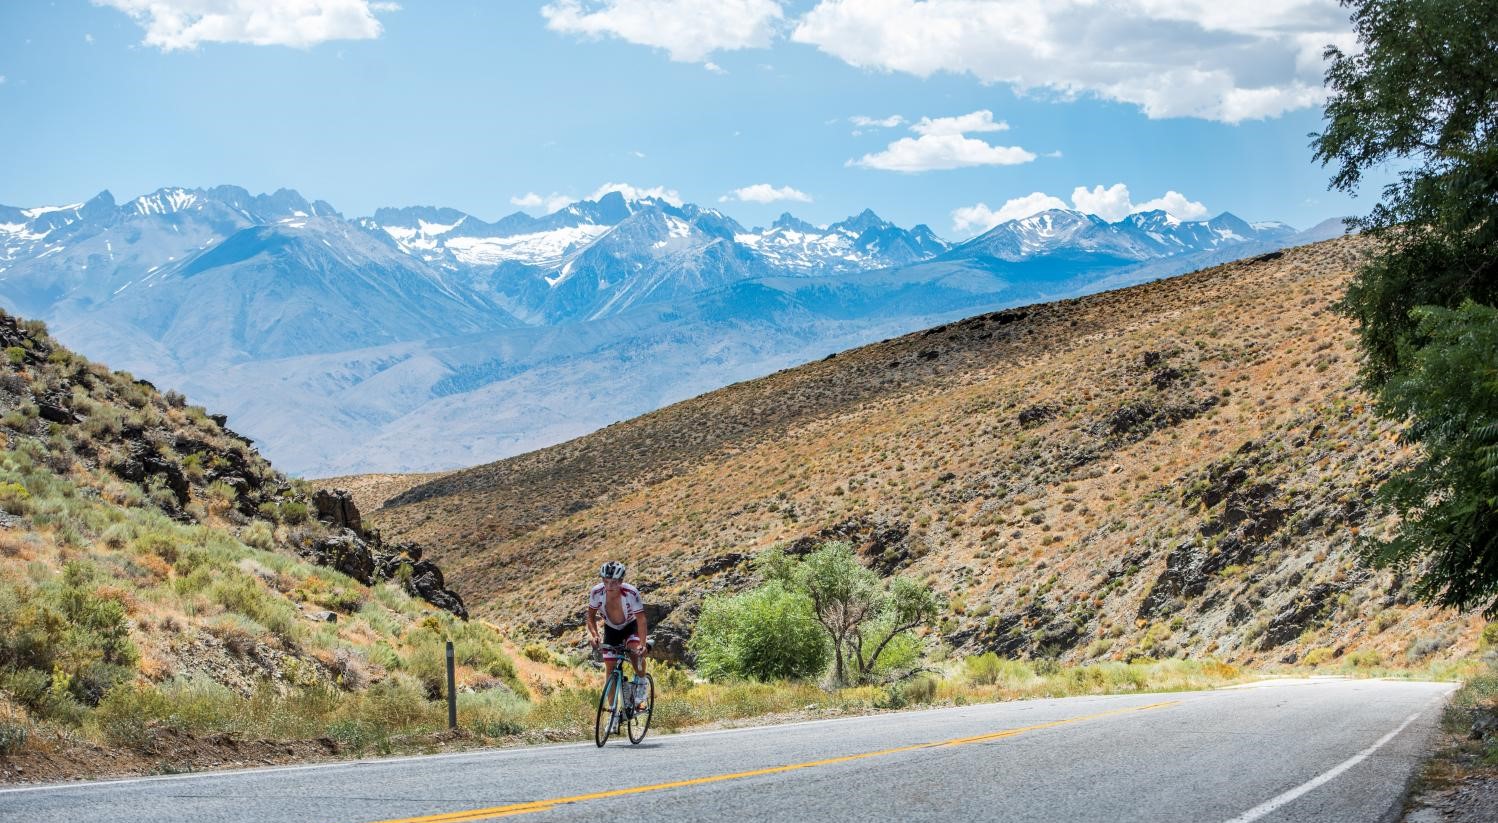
(1326, 750)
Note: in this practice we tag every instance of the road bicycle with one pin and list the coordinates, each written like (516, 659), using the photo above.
(616, 704)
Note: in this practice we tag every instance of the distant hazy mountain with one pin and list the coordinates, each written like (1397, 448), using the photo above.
(1062, 233)
(424, 337)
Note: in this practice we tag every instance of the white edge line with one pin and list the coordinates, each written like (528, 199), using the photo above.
(1325, 777)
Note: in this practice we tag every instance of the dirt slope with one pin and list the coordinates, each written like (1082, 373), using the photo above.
(1175, 468)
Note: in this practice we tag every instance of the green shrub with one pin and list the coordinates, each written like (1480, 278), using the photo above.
(1316, 657)
(64, 634)
(127, 714)
(988, 669)
(569, 711)
(244, 595)
(12, 736)
(493, 712)
(768, 633)
(14, 498)
(204, 706)
(259, 535)
(399, 702)
(1364, 659)
(293, 512)
(670, 678)
(537, 652)
(221, 496)
(919, 690)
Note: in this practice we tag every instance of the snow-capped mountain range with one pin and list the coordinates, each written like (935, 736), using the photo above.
(369, 321)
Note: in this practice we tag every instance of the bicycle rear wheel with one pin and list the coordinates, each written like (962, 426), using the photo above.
(603, 724)
(639, 720)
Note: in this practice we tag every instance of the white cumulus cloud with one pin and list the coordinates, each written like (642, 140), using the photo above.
(864, 122)
(980, 218)
(1171, 58)
(687, 30)
(765, 193)
(1174, 204)
(981, 120)
(1114, 203)
(1111, 203)
(185, 24)
(943, 144)
(547, 204)
(671, 196)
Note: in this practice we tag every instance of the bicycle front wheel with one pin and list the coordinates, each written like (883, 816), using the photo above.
(639, 720)
(603, 724)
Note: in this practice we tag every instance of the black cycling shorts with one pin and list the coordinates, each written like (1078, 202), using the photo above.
(618, 637)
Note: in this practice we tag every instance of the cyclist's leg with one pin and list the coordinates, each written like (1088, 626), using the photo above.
(637, 654)
(636, 648)
(608, 669)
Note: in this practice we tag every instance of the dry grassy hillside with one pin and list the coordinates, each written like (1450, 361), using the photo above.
(1178, 468)
(168, 600)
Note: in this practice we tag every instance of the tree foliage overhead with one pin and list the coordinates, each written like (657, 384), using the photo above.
(1421, 95)
(1448, 389)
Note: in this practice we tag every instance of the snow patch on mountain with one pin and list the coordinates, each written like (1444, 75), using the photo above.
(546, 248)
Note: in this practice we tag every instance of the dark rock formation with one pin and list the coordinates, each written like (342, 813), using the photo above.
(363, 555)
(142, 462)
(1302, 613)
(336, 508)
(883, 544)
(1035, 415)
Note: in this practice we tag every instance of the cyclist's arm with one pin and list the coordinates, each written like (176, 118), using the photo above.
(641, 630)
(593, 626)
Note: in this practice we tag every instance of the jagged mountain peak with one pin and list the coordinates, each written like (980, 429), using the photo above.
(861, 222)
(786, 220)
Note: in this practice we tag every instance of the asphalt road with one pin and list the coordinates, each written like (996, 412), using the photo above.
(1309, 751)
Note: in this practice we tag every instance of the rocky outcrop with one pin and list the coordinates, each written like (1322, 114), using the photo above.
(883, 543)
(363, 554)
(142, 461)
(336, 508)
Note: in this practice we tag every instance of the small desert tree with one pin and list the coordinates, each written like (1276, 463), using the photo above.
(864, 617)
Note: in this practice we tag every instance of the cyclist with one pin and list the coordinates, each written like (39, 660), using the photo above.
(623, 615)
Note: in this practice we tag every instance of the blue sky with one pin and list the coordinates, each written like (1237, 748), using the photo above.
(476, 105)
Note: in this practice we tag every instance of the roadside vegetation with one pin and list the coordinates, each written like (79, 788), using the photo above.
(1458, 777)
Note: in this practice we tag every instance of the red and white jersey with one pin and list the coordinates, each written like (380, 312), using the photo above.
(630, 596)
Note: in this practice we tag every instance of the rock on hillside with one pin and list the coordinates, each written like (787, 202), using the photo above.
(1176, 468)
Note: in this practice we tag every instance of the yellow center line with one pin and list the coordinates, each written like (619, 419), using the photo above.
(543, 805)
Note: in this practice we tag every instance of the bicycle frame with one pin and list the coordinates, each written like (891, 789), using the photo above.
(617, 703)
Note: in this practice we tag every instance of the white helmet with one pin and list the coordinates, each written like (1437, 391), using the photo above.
(612, 570)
